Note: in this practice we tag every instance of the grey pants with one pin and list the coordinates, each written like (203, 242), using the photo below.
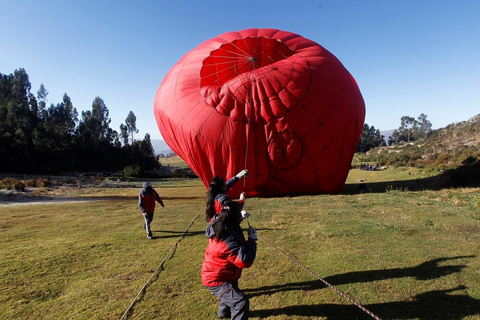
(234, 303)
(148, 219)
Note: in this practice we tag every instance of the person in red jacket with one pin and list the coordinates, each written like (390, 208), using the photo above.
(217, 193)
(146, 202)
(226, 255)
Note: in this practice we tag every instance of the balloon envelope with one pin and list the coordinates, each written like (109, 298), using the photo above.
(266, 100)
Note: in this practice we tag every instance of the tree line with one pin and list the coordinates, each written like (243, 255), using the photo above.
(35, 138)
(410, 129)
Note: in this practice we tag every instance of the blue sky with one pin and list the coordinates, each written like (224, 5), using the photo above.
(408, 57)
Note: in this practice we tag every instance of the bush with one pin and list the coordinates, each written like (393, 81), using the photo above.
(183, 173)
(419, 163)
(31, 183)
(132, 171)
(42, 183)
(12, 184)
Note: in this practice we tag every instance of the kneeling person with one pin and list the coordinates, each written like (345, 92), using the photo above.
(226, 255)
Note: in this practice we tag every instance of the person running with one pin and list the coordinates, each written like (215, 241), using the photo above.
(146, 202)
(217, 194)
(226, 255)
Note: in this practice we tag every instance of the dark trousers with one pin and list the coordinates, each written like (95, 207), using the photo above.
(233, 301)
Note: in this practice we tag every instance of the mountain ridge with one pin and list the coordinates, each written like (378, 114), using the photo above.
(161, 147)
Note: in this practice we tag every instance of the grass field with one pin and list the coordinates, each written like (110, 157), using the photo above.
(402, 254)
(173, 162)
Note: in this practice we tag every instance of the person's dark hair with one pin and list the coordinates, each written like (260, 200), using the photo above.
(216, 187)
(228, 217)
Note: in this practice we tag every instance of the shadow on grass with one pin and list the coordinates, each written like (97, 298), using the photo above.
(165, 234)
(425, 271)
(433, 305)
(438, 304)
(464, 176)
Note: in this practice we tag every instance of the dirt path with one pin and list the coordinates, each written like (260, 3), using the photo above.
(25, 201)
(44, 201)
(17, 198)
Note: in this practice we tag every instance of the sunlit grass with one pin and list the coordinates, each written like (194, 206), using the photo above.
(176, 162)
(389, 174)
(402, 254)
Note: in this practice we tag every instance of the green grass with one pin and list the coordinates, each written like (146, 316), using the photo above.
(402, 254)
(398, 174)
(175, 161)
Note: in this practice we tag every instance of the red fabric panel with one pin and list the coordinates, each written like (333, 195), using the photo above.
(272, 99)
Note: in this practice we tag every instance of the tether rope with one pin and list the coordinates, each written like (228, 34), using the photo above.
(249, 127)
(161, 264)
(343, 294)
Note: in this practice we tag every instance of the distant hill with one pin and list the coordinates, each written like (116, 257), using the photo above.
(161, 147)
(448, 146)
(465, 134)
(445, 148)
(386, 134)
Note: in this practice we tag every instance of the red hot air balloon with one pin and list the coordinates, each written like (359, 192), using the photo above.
(265, 100)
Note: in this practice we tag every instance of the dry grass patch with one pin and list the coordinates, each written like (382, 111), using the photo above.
(403, 254)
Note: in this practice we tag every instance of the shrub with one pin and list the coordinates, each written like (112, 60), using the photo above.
(42, 183)
(31, 183)
(19, 186)
(12, 184)
(6, 183)
(443, 157)
(419, 163)
(132, 171)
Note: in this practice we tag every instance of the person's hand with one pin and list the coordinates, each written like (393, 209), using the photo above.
(161, 203)
(245, 214)
(242, 173)
(252, 233)
(243, 196)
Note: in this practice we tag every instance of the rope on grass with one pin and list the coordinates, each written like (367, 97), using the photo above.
(161, 263)
(344, 295)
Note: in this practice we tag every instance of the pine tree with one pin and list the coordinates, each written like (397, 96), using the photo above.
(131, 124)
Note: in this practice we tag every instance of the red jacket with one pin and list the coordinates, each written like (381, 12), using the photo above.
(225, 259)
(146, 200)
